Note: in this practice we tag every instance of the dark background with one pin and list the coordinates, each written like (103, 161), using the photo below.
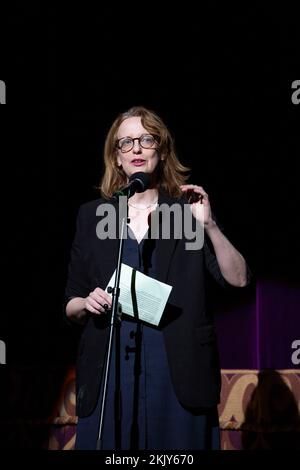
(220, 79)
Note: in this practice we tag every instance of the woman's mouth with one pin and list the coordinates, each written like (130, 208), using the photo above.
(138, 162)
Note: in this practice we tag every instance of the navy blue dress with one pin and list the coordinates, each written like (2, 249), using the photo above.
(152, 417)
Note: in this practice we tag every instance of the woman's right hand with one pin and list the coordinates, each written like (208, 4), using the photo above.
(98, 301)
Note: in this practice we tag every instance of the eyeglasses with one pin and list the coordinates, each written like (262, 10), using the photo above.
(146, 141)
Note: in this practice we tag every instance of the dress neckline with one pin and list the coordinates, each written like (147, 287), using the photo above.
(133, 237)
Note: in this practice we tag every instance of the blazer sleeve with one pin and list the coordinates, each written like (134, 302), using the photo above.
(78, 282)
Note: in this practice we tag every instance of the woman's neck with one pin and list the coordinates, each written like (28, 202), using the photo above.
(146, 198)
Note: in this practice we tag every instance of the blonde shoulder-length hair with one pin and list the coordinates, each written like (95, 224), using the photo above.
(170, 172)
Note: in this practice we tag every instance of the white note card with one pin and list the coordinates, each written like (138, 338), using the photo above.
(151, 295)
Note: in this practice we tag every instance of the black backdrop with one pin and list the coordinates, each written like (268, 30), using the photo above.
(220, 78)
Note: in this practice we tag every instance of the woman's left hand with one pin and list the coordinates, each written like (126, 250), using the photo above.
(199, 201)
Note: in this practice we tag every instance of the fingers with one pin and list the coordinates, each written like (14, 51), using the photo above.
(103, 295)
(98, 301)
(195, 188)
(194, 193)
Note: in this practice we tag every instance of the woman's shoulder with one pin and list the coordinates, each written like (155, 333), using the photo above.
(88, 210)
(92, 205)
(165, 198)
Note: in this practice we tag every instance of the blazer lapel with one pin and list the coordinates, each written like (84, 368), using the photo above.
(165, 247)
(109, 250)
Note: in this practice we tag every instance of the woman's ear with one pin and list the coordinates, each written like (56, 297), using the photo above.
(162, 156)
(119, 161)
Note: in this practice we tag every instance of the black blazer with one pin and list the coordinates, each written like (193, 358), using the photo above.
(189, 334)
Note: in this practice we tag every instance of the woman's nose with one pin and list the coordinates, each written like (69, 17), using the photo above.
(136, 147)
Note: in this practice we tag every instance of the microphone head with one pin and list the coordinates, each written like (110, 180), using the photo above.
(140, 180)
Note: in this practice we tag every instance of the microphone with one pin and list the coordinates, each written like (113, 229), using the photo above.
(138, 183)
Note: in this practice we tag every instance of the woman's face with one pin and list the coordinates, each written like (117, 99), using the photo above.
(138, 158)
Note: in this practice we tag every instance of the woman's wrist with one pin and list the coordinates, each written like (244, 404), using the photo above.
(210, 226)
(75, 308)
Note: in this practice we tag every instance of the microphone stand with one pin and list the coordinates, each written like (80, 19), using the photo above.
(115, 323)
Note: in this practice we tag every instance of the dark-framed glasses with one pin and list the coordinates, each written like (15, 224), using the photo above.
(146, 141)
